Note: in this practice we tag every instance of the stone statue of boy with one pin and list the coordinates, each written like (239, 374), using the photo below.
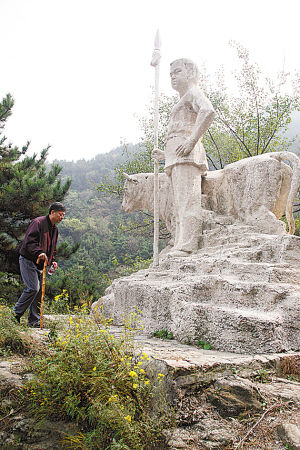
(185, 158)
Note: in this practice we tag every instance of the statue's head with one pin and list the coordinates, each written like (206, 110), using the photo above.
(183, 70)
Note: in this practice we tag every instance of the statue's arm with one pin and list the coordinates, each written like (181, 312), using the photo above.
(205, 116)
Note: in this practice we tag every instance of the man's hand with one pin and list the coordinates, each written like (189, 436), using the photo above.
(157, 154)
(185, 149)
(42, 256)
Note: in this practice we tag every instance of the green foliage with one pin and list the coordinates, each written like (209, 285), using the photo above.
(297, 225)
(163, 334)
(11, 288)
(130, 265)
(254, 120)
(11, 340)
(105, 251)
(204, 345)
(27, 190)
(93, 378)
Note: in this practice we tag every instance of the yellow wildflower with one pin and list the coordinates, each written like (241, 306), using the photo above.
(147, 382)
(134, 385)
(94, 368)
(132, 373)
(128, 418)
(142, 371)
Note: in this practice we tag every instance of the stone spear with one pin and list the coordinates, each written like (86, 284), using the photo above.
(155, 63)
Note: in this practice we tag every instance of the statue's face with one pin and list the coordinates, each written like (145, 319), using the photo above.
(179, 76)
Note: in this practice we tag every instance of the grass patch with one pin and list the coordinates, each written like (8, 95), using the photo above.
(163, 334)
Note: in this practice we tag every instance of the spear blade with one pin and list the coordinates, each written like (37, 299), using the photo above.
(156, 54)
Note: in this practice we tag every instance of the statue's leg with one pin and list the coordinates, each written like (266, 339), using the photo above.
(186, 183)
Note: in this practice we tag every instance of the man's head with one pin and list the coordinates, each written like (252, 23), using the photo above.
(183, 73)
(57, 212)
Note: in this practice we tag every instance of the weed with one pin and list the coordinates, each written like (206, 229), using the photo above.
(163, 334)
(262, 376)
(60, 304)
(293, 378)
(204, 345)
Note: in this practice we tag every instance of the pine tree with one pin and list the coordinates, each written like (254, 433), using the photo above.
(26, 190)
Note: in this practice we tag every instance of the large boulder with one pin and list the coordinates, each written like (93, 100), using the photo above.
(240, 293)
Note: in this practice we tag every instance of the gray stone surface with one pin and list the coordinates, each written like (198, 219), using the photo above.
(290, 433)
(256, 191)
(240, 292)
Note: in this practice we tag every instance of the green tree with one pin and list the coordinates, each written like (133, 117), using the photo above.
(253, 121)
(26, 191)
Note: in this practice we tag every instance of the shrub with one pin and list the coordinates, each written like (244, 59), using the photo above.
(94, 378)
(11, 288)
(13, 338)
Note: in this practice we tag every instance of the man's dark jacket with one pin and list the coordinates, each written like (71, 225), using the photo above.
(41, 237)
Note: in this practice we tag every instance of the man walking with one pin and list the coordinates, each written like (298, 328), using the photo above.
(39, 245)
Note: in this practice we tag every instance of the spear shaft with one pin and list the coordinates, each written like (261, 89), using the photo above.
(155, 63)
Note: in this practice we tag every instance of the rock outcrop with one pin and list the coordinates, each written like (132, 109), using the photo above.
(240, 292)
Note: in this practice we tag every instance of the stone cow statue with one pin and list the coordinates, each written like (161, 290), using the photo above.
(256, 191)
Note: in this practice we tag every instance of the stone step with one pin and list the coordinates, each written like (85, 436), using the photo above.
(253, 247)
(206, 288)
(200, 321)
(243, 270)
(241, 292)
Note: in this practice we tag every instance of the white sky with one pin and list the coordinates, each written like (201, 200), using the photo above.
(79, 70)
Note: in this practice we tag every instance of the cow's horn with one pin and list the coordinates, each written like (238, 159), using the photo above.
(128, 177)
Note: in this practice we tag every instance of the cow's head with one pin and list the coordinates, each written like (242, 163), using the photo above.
(132, 193)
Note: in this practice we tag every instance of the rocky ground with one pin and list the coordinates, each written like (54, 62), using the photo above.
(220, 400)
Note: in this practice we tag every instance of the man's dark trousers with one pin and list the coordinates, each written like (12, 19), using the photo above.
(32, 278)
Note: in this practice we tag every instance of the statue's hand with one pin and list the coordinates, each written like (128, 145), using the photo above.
(185, 149)
(157, 154)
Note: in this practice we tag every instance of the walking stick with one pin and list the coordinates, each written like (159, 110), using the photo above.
(43, 292)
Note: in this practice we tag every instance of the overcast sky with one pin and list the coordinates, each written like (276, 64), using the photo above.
(79, 70)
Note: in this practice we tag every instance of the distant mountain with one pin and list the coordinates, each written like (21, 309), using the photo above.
(86, 173)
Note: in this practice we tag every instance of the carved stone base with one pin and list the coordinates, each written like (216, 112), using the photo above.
(240, 293)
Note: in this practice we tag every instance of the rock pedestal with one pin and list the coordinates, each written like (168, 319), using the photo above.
(240, 293)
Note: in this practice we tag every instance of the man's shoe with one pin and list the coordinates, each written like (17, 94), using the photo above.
(34, 325)
(16, 318)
